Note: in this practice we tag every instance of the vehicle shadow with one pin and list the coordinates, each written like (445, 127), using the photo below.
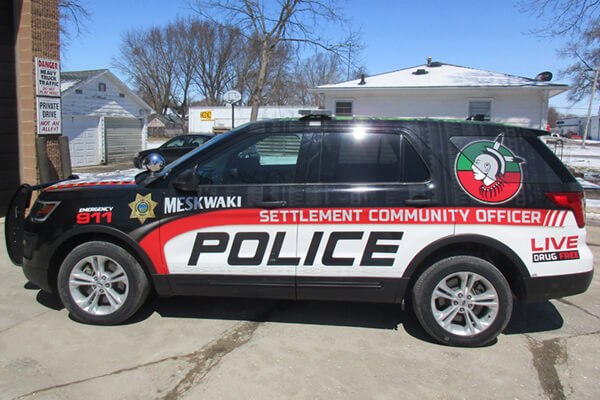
(526, 318)
(532, 318)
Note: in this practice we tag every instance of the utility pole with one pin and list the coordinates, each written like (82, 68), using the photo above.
(589, 114)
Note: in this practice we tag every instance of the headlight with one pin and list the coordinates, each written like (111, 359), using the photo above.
(42, 210)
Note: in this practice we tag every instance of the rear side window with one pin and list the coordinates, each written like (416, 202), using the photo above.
(370, 157)
(507, 159)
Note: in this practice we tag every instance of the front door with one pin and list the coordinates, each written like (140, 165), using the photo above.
(225, 238)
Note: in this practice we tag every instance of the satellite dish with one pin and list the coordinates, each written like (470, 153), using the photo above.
(545, 76)
(232, 96)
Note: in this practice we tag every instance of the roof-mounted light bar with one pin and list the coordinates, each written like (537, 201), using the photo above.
(315, 114)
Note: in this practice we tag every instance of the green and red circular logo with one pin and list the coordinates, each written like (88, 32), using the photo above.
(489, 171)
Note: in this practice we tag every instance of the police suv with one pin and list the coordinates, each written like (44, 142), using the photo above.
(453, 217)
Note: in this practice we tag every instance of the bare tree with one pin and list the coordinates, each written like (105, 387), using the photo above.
(184, 34)
(149, 60)
(217, 47)
(570, 18)
(73, 16)
(318, 69)
(579, 22)
(270, 24)
(586, 56)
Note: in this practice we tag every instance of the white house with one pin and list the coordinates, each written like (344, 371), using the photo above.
(439, 90)
(208, 119)
(104, 120)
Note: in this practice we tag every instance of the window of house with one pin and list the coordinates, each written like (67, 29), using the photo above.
(344, 108)
(121, 94)
(102, 87)
(78, 91)
(480, 109)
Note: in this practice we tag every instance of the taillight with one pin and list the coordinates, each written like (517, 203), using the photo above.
(574, 201)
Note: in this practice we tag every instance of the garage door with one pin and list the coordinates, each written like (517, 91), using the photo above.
(83, 140)
(123, 138)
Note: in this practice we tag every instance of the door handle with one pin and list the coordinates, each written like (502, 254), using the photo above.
(271, 203)
(420, 202)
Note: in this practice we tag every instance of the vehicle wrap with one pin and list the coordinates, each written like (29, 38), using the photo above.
(305, 233)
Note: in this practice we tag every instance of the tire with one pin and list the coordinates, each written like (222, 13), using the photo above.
(445, 303)
(100, 283)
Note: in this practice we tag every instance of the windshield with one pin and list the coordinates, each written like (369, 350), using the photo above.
(192, 153)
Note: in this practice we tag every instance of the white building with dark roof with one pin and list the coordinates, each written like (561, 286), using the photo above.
(104, 120)
(439, 90)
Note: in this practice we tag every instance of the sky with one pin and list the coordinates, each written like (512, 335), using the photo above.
(484, 34)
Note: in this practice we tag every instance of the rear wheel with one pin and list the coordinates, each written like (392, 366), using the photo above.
(463, 301)
(101, 283)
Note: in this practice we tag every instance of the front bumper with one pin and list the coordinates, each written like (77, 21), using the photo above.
(36, 262)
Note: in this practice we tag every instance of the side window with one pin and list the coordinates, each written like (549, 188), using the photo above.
(197, 141)
(414, 169)
(260, 159)
(175, 143)
(370, 157)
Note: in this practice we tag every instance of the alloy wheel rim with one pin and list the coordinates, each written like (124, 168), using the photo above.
(98, 285)
(464, 303)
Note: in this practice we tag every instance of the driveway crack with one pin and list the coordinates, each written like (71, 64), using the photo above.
(567, 302)
(202, 361)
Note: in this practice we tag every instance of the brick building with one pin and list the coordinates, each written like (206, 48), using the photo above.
(28, 29)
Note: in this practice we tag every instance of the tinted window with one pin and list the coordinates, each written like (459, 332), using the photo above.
(413, 166)
(175, 142)
(197, 141)
(260, 159)
(370, 157)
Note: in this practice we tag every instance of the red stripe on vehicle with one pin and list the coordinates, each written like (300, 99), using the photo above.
(400, 216)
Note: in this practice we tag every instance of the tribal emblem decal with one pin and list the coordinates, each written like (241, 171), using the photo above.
(489, 171)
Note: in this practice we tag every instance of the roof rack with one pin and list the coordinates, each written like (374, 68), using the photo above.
(311, 115)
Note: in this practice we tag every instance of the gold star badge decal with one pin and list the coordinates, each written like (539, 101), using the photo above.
(143, 207)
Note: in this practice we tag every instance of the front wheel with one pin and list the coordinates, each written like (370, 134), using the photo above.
(463, 301)
(101, 283)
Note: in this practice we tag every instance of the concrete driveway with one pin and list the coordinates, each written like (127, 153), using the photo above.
(209, 348)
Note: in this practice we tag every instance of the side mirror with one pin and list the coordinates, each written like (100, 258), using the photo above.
(155, 163)
(187, 181)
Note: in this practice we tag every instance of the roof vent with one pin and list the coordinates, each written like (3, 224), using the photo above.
(362, 80)
(421, 71)
(433, 64)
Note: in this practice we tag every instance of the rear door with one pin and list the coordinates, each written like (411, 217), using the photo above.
(373, 203)
(235, 235)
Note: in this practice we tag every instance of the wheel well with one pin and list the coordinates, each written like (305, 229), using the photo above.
(65, 248)
(508, 264)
